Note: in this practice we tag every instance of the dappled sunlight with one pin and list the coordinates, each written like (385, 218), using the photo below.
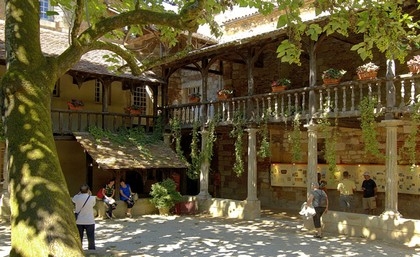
(154, 235)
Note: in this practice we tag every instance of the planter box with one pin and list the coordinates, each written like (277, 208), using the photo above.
(278, 88)
(223, 96)
(367, 75)
(73, 107)
(194, 99)
(331, 81)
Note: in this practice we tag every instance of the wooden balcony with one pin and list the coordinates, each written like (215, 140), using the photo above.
(65, 122)
(394, 98)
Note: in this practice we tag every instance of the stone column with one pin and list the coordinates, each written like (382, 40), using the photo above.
(252, 164)
(204, 170)
(252, 208)
(391, 169)
(312, 156)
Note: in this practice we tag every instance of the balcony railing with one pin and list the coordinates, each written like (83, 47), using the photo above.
(66, 121)
(336, 101)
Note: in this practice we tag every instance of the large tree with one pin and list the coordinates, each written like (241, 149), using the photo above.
(41, 220)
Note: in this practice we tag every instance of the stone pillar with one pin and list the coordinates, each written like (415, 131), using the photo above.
(312, 156)
(252, 208)
(391, 169)
(204, 170)
(252, 164)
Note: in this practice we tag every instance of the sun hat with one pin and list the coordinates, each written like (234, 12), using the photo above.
(366, 174)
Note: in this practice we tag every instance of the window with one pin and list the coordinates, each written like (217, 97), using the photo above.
(98, 91)
(44, 6)
(139, 96)
(56, 91)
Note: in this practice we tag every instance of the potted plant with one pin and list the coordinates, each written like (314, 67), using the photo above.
(75, 104)
(194, 97)
(164, 195)
(280, 85)
(414, 64)
(367, 71)
(133, 109)
(224, 94)
(332, 76)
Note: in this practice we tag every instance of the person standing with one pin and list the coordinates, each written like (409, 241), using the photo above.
(126, 195)
(346, 187)
(84, 204)
(369, 194)
(108, 191)
(319, 200)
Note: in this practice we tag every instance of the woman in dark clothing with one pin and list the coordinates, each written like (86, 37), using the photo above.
(319, 200)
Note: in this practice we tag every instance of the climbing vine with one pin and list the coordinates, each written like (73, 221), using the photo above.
(330, 135)
(368, 125)
(207, 154)
(237, 133)
(175, 126)
(411, 143)
(295, 139)
(264, 150)
(193, 171)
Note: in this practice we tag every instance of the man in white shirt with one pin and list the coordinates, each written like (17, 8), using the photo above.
(346, 188)
(84, 202)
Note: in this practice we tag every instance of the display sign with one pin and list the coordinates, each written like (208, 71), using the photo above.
(295, 175)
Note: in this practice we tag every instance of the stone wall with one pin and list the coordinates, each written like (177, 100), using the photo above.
(350, 150)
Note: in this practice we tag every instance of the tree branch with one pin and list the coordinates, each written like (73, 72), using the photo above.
(127, 56)
(186, 21)
(78, 18)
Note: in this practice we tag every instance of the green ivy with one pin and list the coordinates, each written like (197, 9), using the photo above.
(193, 171)
(411, 143)
(264, 150)
(368, 125)
(237, 133)
(324, 125)
(175, 125)
(295, 139)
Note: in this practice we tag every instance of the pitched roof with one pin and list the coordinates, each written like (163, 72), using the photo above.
(110, 155)
(54, 43)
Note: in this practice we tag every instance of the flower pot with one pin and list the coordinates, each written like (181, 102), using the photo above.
(131, 111)
(74, 107)
(330, 81)
(194, 99)
(367, 75)
(221, 96)
(414, 69)
(280, 88)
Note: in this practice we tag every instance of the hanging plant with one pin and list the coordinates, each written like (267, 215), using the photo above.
(368, 125)
(264, 150)
(295, 139)
(237, 133)
(175, 125)
(207, 154)
(193, 171)
(411, 143)
(329, 135)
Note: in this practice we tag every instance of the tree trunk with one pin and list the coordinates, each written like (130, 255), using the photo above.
(42, 217)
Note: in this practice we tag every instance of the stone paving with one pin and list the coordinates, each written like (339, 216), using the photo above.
(274, 234)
